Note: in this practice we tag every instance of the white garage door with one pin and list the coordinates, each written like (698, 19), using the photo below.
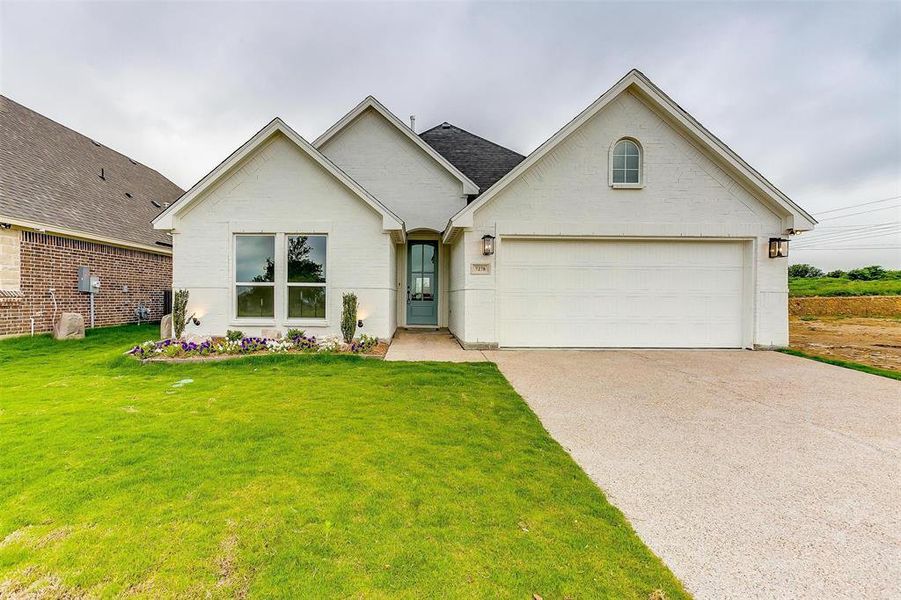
(631, 294)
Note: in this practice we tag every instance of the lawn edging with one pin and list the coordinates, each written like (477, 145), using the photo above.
(844, 363)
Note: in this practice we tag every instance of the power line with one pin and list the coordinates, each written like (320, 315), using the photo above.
(858, 226)
(863, 212)
(855, 248)
(859, 236)
(813, 238)
(856, 205)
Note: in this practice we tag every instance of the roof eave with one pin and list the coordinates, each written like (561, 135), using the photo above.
(165, 220)
(794, 217)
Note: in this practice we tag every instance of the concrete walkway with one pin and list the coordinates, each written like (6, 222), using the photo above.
(427, 344)
(751, 474)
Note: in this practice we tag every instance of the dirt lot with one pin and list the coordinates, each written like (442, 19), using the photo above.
(868, 340)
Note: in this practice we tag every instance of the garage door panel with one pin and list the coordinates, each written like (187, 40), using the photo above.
(592, 293)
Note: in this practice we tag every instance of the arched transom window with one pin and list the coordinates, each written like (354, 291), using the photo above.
(626, 163)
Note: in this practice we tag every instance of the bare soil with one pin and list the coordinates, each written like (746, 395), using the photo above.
(866, 340)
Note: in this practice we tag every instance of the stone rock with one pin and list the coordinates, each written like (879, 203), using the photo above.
(166, 327)
(69, 327)
(271, 334)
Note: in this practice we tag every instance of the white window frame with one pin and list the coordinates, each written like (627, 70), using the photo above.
(235, 283)
(626, 186)
(308, 321)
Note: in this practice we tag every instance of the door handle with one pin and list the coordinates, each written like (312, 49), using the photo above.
(408, 295)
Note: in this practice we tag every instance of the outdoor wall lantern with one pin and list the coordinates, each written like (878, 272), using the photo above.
(778, 248)
(195, 320)
(487, 245)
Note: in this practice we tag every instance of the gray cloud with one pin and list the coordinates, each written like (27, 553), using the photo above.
(807, 93)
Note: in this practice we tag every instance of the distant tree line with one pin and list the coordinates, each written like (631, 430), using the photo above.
(871, 273)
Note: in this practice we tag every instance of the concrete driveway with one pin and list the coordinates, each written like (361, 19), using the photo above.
(752, 474)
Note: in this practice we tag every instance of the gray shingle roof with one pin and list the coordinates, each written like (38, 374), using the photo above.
(482, 161)
(50, 174)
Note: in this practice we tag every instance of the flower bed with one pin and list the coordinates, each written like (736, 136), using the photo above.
(239, 345)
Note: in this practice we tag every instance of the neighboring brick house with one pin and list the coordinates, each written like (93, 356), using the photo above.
(66, 202)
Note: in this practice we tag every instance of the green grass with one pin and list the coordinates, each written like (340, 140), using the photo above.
(834, 286)
(844, 363)
(292, 476)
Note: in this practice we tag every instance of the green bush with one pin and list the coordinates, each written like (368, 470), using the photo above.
(804, 271)
(349, 317)
(234, 335)
(837, 274)
(293, 334)
(871, 273)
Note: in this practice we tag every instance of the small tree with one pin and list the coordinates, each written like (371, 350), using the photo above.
(837, 274)
(179, 312)
(349, 317)
(804, 270)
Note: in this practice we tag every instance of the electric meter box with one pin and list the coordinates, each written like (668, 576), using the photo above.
(84, 279)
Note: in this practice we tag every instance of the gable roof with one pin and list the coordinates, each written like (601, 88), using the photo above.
(390, 221)
(481, 160)
(50, 179)
(794, 217)
(370, 103)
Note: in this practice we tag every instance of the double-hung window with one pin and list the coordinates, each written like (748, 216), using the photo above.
(306, 276)
(255, 276)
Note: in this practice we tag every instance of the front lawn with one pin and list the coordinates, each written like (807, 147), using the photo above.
(292, 476)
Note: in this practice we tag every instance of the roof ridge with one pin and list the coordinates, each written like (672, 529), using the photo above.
(88, 138)
(475, 135)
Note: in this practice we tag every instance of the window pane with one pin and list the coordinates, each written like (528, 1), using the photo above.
(254, 258)
(631, 148)
(428, 258)
(416, 257)
(619, 162)
(306, 258)
(256, 301)
(631, 176)
(632, 162)
(306, 302)
(619, 176)
(421, 287)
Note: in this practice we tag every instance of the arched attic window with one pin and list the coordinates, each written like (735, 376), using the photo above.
(625, 164)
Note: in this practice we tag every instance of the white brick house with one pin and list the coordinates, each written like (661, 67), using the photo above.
(632, 226)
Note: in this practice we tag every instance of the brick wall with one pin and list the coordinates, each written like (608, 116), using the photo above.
(48, 261)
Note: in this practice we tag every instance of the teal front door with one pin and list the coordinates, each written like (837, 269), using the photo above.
(422, 283)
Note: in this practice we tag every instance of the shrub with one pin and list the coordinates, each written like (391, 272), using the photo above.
(364, 344)
(804, 270)
(871, 273)
(179, 312)
(837, 274)
(234, 335)
(349, 317)
(294, 334)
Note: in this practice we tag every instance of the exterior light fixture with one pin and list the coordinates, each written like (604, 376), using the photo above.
(778, 248)
(195, 320)
(360, 323)
(487, 245)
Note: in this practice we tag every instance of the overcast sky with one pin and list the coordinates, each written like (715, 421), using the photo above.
(809, 94)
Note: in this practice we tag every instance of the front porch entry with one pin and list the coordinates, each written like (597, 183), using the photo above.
(430, 345)
(422, 282)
